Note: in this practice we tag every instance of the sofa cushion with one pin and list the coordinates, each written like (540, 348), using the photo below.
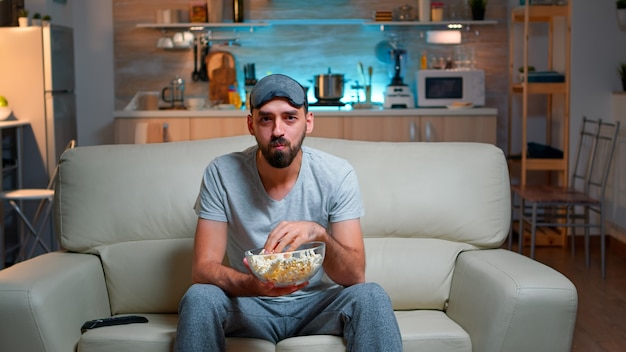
(422, 330)
(147, 276)
(453, 191)
(151, 276)
(415, 272)
(118, 193)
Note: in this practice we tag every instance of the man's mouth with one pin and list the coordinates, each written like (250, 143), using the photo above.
(279, 144)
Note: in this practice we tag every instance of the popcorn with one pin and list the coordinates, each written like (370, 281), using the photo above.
(286, 268)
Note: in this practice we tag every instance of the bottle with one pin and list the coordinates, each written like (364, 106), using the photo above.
(237, 10)
(436, 11)
(233, 96)
(424, 10)
(424, 61)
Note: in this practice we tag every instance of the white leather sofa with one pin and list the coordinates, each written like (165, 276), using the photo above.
(436, 215)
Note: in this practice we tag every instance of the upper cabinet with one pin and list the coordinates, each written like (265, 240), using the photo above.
(539, 75)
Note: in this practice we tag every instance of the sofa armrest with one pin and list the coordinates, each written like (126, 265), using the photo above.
(45, 300)
(508, 302)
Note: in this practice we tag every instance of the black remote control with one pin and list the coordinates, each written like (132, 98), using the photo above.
(121, 320)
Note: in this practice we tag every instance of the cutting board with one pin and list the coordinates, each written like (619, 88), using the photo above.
(222, 74)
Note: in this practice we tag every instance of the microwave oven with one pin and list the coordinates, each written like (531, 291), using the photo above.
(439, 88)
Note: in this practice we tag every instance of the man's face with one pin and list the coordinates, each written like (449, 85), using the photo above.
(279, 129)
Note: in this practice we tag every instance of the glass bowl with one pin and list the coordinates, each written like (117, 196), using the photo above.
(287, 268)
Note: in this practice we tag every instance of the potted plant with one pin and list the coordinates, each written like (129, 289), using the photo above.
(621, 12)
(622, 74)
(45, 20)
(478, 9)
(36, 19)
(22, 17)
(522, 77)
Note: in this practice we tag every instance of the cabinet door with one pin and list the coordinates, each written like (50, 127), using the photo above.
(151, 130)
(216, 127)
(458, 129)
(327, 127)
(386, 129)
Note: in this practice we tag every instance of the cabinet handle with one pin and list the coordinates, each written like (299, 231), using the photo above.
(428, 131)
(412, 131)
(165, 132)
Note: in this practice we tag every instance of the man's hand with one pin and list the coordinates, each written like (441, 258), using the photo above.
(293, 234)
(344, 262)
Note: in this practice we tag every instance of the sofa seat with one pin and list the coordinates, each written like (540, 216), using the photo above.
(422, 330)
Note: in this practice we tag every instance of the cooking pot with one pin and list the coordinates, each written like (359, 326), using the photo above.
(329, 86)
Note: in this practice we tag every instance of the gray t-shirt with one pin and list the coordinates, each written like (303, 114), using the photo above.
(327, 190)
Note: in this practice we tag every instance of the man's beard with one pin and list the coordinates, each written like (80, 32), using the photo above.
(281, 158)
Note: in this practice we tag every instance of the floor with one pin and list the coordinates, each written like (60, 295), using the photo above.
(601, 319)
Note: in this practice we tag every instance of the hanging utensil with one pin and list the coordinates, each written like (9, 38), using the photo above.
(195, 75)
(204, 50)
(370, 72)
(361, 72)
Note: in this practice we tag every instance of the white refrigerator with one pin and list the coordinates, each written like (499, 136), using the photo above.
(37, 78)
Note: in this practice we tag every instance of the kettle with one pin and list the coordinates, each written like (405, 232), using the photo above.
(174, 93)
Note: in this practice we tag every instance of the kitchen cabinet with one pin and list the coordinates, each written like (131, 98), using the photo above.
(422, 128)
(381, 125)
(151, 130)
(458, 129)
(328, 127)
(373, 128)
(215, 127)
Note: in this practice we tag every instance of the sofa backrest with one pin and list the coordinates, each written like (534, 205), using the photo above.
(425, 202)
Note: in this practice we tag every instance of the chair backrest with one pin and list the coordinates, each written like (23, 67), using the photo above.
(70, 145)
(594, 156)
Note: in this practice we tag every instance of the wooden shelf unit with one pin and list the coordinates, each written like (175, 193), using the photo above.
(557, 17)
(557, 99)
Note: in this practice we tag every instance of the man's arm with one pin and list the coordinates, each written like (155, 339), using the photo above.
(345, 253)
(207, 268)
(344, 262)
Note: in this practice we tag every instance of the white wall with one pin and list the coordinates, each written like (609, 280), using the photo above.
(93, 36)
(60, 13)
(92, 21)
(598, 46)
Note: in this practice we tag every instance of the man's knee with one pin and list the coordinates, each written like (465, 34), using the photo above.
(201, 295)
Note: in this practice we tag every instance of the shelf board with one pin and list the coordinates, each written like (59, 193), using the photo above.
(541, 88)
(317, 21)
(545, 164)
(202, 26)
(446, 24)
(304, 22)
(540, 13)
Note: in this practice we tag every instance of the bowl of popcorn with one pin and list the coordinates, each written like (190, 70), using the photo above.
(287, 268)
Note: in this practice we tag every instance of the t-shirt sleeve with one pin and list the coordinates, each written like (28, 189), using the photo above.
(211, 198)
(347, 203)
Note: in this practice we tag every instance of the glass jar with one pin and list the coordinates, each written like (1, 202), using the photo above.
(436, 11)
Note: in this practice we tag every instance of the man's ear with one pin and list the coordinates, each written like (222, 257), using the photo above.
(310, 122)
(249, 123)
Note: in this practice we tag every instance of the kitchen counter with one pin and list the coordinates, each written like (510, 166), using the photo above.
(317, 111)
